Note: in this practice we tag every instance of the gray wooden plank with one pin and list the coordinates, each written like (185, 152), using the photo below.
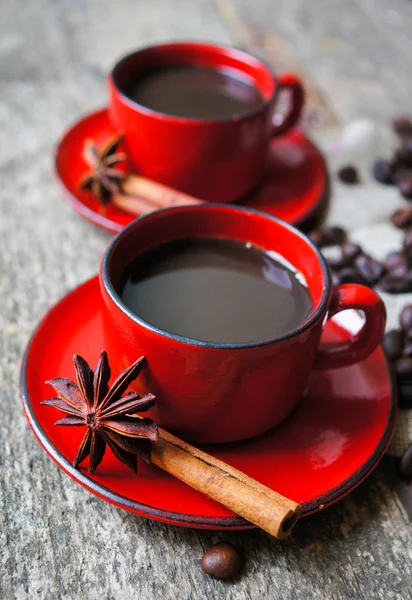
(357, 52)
(57, 540)
(249, 29)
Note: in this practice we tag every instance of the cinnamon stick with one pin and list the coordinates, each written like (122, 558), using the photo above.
(243, 495)
(158, 194)
(133, 204)
(132, 193)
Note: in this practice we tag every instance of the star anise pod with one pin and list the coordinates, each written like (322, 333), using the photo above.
(110, 418)
(104, 180)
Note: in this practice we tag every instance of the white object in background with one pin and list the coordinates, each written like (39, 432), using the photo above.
(360, 143)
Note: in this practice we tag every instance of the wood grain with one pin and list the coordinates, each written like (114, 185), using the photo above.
(56, 539)
(356, 53)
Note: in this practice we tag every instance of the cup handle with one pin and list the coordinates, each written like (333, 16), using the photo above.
(292, 83)
(343, 353)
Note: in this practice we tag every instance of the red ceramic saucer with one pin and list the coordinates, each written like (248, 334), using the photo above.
(331, 442)
(295, 186)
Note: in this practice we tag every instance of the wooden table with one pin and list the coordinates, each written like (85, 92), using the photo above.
(57, 540)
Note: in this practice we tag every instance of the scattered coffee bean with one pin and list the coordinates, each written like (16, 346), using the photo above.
(396, 264)
(393, 260)
(407, 351)
(383, 171)
(403, 155)
(402, 218)
(350, 251)
(370, 269)
(408, 279)
(401, 173)
(405, 318)
(398, 170)
(221, 561)
(317, 237)
(407, 239)
(405, 395)
(405, 188)
(400, 270)
(333, 236)
(408, 256)
(392, 343)
(351, 275)
(402, 126)
(336, 280)
(349, 174)
(330, 236)
(336, 263)
(405, 464)
(407, 252)
(393, 284)
(403, 368)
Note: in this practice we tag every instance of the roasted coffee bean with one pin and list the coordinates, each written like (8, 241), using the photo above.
(405, 318)
(407, 351)
(336, 263)
(400, 270)
(405, 464)
(396, 264)
(407, 238)
(330, 236)
(351, 275)
(408, 256)
(383, 171)
(394, 285)
(405, 395)
(405, 188)
(407, 246)
(370, 269)
(408, 279)
(392, 343)
(407, 252)
(333, 236)
(402, 218)
(402, 126)
(221, 561)
(350, 251)
(403, 368)
(403, 155)
(336, 280)
(400, 173)
(349, 174)
(317, 237)
(393, 260)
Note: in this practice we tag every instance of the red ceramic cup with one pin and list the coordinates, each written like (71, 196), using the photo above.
(218, 392)
(218, 160)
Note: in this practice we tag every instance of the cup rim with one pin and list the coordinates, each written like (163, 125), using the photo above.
(248, 56)
(315, 314)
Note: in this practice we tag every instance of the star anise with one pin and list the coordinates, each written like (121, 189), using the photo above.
(110, 418)
(104, 180)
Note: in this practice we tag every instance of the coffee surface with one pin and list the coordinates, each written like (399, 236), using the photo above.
(215, 290)
(194, 92)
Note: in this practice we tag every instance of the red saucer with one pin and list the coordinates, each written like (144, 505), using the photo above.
(332, 441)
(294, 189)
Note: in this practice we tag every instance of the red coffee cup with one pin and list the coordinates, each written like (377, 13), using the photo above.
(222, 392)
(218, 160)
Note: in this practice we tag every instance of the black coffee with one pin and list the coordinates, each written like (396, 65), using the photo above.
(215, 290)
(196, 92)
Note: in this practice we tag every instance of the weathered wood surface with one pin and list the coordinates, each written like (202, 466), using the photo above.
(357, 51)
(57, 540)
